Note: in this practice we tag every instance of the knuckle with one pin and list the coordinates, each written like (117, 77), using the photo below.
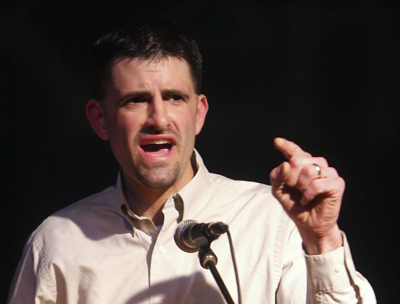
(334, 171)
(316, 186)
(309, 170)
(296, 161)
(322, 161)
(342, 182)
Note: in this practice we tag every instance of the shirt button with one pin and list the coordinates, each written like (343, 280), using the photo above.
(338, 268)
(161, 249)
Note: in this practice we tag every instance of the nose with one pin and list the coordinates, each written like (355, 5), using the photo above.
(158, 117)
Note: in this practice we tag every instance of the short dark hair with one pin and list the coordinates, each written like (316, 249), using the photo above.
(150, 40)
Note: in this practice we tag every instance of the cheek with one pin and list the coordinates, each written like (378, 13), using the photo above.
(123, 128)
(172, 116)
(186, 123)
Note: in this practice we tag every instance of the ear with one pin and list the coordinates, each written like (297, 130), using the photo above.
(202, 109)
(95, 115)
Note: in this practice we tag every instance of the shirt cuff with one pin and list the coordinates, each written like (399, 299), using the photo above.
(328, 272)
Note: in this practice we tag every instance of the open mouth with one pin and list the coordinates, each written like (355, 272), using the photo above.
(160, 148)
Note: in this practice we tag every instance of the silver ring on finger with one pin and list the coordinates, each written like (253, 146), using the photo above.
(318, 168)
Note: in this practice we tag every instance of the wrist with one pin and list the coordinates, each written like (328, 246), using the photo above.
(314, 245)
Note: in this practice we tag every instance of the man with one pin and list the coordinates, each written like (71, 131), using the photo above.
(117, 246)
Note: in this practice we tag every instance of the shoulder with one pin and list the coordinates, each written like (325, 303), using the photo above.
(102, 199)
(243, 196)
(89, 218)
(207, 181)
(240, 187)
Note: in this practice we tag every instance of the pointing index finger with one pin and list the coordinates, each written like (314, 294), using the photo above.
(289, 148)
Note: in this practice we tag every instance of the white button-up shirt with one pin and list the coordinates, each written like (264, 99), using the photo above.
(97, 251)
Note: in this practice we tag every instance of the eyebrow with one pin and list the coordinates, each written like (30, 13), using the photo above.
(175, 92)
(167, 92)
(133, 94)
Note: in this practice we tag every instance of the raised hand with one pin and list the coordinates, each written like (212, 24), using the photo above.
(311, 193)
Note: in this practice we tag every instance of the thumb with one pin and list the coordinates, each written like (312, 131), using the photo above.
(279, 175)
(284, 195)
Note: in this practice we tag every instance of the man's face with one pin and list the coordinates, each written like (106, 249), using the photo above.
(151, 117)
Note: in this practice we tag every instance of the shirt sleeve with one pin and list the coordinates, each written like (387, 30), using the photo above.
(27, 286)
(332, 278)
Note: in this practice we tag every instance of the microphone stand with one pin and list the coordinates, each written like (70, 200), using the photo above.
(208, 260)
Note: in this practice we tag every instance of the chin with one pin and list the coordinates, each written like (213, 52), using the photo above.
(157, 184)
(158, 180)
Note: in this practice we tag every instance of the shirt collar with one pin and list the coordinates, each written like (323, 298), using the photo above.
(196, 191)
(185, 199)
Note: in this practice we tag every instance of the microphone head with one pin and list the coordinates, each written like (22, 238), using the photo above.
(179, 238)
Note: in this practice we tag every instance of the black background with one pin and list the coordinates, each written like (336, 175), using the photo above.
(324, 74)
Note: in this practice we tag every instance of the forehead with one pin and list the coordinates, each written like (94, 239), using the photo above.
(129, 74)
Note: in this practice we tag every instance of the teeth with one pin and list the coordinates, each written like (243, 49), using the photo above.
(158, 142)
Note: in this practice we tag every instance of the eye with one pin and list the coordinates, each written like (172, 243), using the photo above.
(176, 98)
(136, 99)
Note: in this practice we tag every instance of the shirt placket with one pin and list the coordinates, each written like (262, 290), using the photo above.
(161, 272)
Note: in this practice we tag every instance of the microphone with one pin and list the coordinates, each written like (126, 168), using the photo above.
(190, 235)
